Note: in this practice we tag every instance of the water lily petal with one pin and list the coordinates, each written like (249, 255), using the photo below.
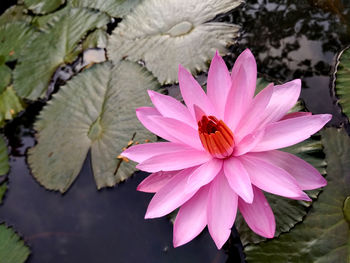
(291, 131)
(295, 115)
(221, 210)
(172, 108)
(156, 181)
(271, 178)
(238, 178)
(307, 176)
(248, 142)
(258, 215)
(243, 76)
(192, 218)
(193, 94)
(171, 196)
(142, 152)
(218, 84)
(174, 161)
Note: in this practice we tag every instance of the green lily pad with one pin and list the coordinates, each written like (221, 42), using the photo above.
(115, 8)
(3, 189)
(342, 81)
(164, 34)
(5, 77)
(60, 42)
(10, 105)
(13, 37)
(4, 159)
(95, 110)
(12, 247)
(43, 6)
(15, 13)
(324, 234)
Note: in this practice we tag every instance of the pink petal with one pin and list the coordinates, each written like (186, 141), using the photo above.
(307, 176)
(243, 77)
(222, 209)
(192, 218)
(238, 178)
(174, 161)
(193, 94)
(179, 130)
(295, 115)
(154, 182)
(218, 84)
(142, 152)
(171, 108)
(271, 178)
(171, 196)
(204, 174)
(291, 131)
(258, 215)
(248, 143)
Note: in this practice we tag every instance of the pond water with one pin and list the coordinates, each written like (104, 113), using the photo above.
(290, 39)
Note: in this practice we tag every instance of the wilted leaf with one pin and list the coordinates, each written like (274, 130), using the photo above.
(5, 77)
(96, 109)
(165, 34)
(10, 105)
(43, 6)
(115, 8)
(52, 48)
(12, 248)
(324, 234)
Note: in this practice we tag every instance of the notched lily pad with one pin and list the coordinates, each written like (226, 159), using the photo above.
(324, 234)
(43, 6)
(12, 247)
(60, 42)
(10, 105)
(165, 34)
(95, 110)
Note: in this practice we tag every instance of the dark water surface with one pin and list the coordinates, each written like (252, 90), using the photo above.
(290, 39)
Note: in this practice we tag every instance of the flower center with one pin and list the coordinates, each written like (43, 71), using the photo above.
(216, 137)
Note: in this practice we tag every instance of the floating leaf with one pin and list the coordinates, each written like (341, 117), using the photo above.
(43, 6)
(15, 13)
(96, 109)
(60, 42)
(115, 8)
(165, 34)
(97, 39)
(13, 36)
(324, 234)
(4, 159)
(10, 105)
(342, 81)
(12, 248)
(5, 77)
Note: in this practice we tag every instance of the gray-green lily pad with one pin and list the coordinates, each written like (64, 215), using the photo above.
(10, 105)
(5, 77)
(43, 6)
(115, 8)
(342, 81)
(324, 234)
(32, 76)
(94, 110)
(12, 247)
(97, 39)
(164, 34)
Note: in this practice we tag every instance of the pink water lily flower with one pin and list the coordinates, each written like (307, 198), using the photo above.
(222, 152)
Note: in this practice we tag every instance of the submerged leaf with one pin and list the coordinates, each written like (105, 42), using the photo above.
(43, 6)
(12, 248)
(324, 234)
(342, 81)
(165, 34)
(115, 8)
(10, 105)
(96, 109)
(60, 43)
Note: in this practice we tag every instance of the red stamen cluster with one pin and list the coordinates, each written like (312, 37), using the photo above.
(216, 137)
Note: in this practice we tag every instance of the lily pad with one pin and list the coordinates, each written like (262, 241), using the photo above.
(3, 189)
(5, 77)
(97, 39)
(164, 34)
(324, 234)
(60, 42)
(342, 80)
(115, 8)
(13, 37)
(10, 105)
(95, 110)
(43, 6)
(4, 159)
(12, 247)
(15, 13)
